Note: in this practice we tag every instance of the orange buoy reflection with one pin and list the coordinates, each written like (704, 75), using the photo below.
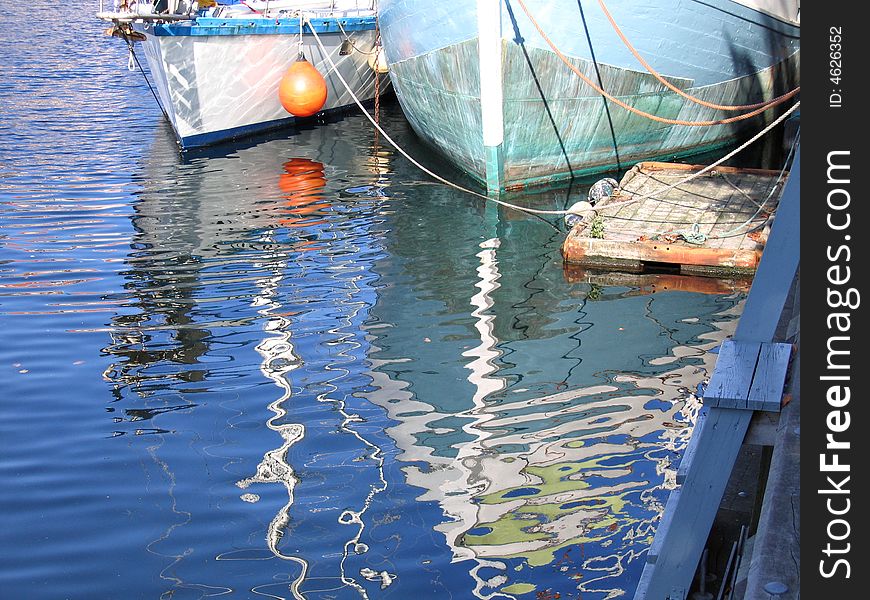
(302, 185)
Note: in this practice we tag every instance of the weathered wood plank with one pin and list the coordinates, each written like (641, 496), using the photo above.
(688, 514)
(594, 251)
(692, 447)
(732, 380)
(651, 166)
(769, 380)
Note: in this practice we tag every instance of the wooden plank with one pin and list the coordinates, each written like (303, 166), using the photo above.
(595, 251)
(769, 380)
(732, 379)
(692, 511)
(692, 447)
(654, 165)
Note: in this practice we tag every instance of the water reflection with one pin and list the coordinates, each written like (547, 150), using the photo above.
(295, 368)
(242, 251)
(552, 492)
(385, 389)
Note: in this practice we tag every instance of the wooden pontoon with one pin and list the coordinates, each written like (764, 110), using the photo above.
(715, 224)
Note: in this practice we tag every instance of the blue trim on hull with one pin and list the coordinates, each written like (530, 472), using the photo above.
(213, 138)
(216, 137)
(259, 26)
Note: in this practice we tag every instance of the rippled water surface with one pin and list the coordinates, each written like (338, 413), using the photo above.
(297, 368)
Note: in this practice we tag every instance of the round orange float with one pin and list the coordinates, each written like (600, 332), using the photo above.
(302, 90)
(303, 184)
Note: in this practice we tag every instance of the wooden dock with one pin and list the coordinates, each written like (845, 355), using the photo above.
(715, 225)
(741, 387)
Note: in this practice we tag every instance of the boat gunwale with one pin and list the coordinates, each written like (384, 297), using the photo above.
(222, 26)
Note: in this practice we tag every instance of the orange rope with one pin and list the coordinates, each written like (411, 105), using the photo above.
(672, 87)
(632, 109)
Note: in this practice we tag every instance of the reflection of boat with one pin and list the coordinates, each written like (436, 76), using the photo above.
(498, 85)
(217, 70)
(220, 269)
(547, 448)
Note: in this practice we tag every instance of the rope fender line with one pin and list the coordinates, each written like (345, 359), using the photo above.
(772, 102)
(630, 108)
(375, 49)
(536, 211)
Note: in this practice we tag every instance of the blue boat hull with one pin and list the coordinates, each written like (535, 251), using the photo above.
(555, 125)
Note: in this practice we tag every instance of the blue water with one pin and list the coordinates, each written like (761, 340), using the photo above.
(298, 368)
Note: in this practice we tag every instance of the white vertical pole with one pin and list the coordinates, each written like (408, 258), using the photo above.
(492, 116)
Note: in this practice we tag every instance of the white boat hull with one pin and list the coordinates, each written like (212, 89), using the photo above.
(215, 88)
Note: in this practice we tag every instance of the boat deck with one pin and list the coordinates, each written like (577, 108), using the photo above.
(715, 225)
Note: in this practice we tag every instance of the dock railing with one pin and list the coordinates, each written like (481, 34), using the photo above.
(743, 381)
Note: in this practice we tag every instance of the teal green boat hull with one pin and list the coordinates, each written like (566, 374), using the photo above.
(555, 125)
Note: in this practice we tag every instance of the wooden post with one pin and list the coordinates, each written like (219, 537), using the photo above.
(492, 116)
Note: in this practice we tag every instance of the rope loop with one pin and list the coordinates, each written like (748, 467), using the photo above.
(637, 111)
(677, 90)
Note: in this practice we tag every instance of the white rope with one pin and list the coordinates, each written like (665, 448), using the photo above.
(736, 230)
(535, 211)
(708, 168)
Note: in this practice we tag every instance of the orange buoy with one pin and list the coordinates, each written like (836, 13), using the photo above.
(302, 90)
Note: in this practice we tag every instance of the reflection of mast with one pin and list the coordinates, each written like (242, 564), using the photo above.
(469, 459)
(302, 185)
(485, 353)
(278, 360)
(568, 480)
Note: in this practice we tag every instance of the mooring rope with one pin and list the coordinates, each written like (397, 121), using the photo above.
(673, 88)
(535, 211)
(736, 231)
(144, 76)
(601, 84)
(630, 108)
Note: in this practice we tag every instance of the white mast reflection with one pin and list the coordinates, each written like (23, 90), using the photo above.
(279, 359)
(470, 457)
(482, 367)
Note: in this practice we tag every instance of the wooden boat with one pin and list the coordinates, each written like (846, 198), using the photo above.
(506, 89)
(217, 69)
